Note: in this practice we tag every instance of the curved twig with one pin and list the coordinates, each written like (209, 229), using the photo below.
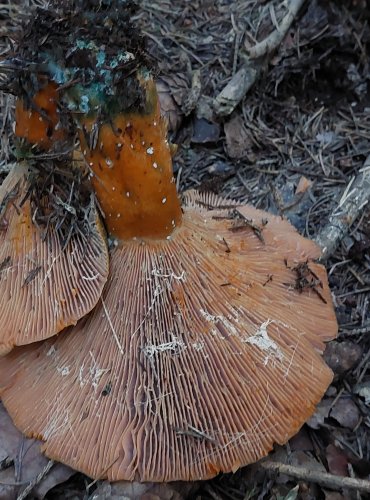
(227, 100)
(270, 43)
(355, 197)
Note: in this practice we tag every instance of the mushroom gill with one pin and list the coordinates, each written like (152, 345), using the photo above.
(44, 286)
(201, 354)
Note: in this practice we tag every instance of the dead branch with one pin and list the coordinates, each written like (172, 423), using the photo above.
(270, 43)
(355, 197)
(227, 100)
(322, 478)
(192, 98)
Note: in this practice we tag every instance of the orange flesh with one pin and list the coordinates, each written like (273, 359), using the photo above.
(35, 128)
(133, 177)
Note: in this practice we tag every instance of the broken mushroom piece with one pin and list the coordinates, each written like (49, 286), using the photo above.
(53, 254)
(204, 349)
(38, 121)
(45, 284)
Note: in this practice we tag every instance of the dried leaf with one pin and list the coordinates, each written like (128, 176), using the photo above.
(238, 141)
(172, 93)
(363, 390)
(303, 185)
(292, 495)
(205, 131)
(342, 356)
(125, 490)
(321, 413)
(301, 441)
(337, 460)
(26, 462)
(178, 86)
(305, 460)
(345, 412)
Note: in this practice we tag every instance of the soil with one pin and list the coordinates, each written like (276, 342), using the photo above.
(291, 147)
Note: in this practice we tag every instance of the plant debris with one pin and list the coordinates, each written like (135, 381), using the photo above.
(306, 279)
(61, 197)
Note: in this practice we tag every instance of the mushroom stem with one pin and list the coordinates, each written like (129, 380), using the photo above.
(132, 171)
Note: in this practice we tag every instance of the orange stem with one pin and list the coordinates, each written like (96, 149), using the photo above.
(133, 177)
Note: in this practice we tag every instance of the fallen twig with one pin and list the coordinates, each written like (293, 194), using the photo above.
(193, 97)
(270, 43)
(227, 100)
(230, 96)
(362, 330)
(321, 478)
(355, 197)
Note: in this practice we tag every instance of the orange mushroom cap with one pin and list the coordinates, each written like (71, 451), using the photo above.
(201, 354)
(43, 286)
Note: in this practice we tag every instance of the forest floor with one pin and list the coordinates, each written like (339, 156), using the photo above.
(291, 146)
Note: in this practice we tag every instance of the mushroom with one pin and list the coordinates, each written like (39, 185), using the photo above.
(38, 120)
(205, 347)
(46, 282)
(54, 258)
(136, 202)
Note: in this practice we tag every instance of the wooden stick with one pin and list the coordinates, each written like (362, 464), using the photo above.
(230, 96)
(322, 478)
(270, 43)
(354, 199)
